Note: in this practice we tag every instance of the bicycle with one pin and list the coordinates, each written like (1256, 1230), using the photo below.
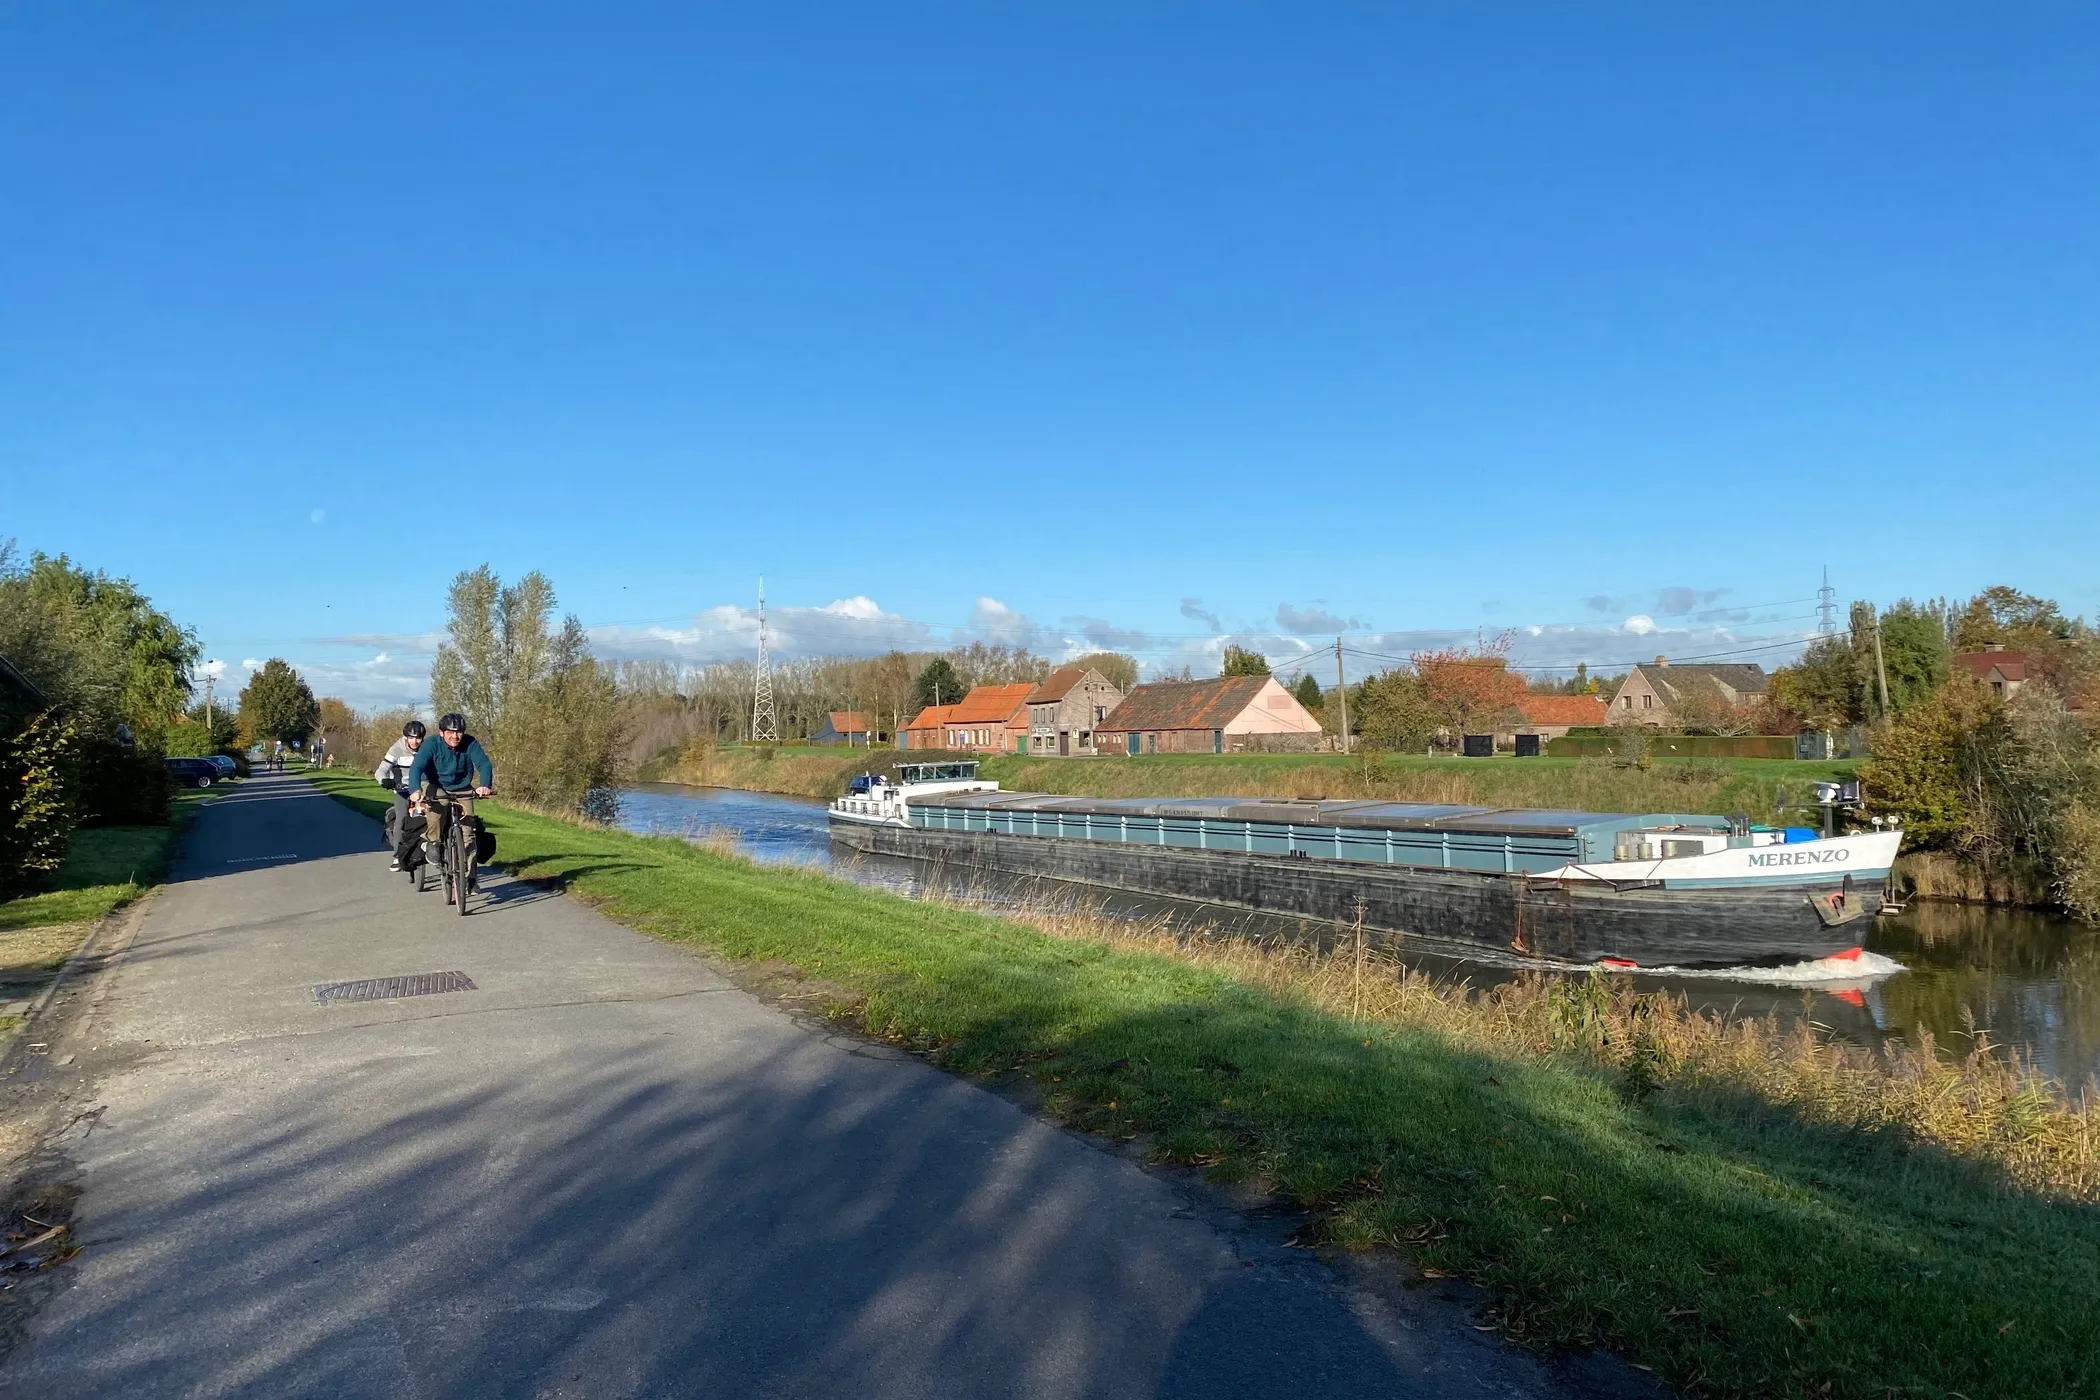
(457, 854)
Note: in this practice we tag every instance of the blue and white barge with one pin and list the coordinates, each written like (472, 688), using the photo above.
(1650, 889)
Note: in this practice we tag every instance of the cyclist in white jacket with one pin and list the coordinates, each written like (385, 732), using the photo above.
(393, 772)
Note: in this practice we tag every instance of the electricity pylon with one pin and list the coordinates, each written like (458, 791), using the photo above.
(765, 727)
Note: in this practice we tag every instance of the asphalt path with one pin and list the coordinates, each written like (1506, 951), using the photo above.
(608, 1172)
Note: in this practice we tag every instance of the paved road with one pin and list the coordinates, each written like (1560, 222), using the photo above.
(608, 1172)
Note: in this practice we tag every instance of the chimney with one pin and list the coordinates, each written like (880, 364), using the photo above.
(1994, 646)
(1662, 660)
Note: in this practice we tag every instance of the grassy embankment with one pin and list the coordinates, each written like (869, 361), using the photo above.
(105, 868)
(1589, 784)
(1745, 1213)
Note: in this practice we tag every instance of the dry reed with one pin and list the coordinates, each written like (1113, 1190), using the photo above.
(1989, 1107)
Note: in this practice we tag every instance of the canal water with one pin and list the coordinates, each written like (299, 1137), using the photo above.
(2023, 980)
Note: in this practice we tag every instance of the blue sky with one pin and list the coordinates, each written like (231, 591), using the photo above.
(1149, 325)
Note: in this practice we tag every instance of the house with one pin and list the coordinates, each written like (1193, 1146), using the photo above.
(984, 719)
(1551, 716)
(928, 729)
(2000, 671)
(1232, 714)
(1650, 693)
(1065, 709)
(848, 727)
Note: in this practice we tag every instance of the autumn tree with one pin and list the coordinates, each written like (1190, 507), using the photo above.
(1468, 688)
(1117, 669)
(1393, 711)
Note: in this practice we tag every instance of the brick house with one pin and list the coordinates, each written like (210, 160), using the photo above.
(2001, 672)
(1065, 709)
(1232, 714)
(984, 719)
(927, 730)
(1649, 692)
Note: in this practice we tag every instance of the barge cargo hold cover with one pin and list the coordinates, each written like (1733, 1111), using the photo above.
(1645, 888)
(1500, 840)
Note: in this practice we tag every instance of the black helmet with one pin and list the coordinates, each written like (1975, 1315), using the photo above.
(413, 729)
(456, 722)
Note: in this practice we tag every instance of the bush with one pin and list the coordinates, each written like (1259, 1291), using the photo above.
(120, 786)
(39, 771)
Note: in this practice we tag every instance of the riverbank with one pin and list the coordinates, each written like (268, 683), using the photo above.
(1745, 1217)
(1586, 784)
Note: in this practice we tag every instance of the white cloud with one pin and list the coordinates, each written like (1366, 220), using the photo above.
(318, 516)
(251, 663)
(1640, 624)
(213, 669)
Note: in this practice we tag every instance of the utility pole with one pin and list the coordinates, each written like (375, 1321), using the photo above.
(208, 679)
(765, 726)
(1341, 685)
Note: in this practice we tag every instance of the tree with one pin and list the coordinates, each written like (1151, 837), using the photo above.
(937, 685)
(1239, 661)
(336, 723)
(1826, 687)
(1468, 687)
(96, 646)
(2014, 620)
(276, 704)
(1117, 669)
(1393, 711)
(466, 674)
(1915, 651)
(1308, 692)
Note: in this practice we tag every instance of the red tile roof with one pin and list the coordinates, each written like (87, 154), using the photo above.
(991, 704)
(1183, 704)
(1570, 710)
(2010, 664)
(933, 717)
(848, 722)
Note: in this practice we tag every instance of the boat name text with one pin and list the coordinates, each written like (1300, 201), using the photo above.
(1838, 856)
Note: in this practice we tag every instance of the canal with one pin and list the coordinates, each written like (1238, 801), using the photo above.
(2024, 980)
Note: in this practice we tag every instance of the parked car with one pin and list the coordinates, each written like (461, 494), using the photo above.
(193, 772)
(224, 763)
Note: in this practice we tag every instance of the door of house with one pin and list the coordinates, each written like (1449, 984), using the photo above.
(1064, 743)
(1133, 746)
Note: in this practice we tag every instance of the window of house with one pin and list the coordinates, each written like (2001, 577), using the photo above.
(1647, 702)
(1626, 702)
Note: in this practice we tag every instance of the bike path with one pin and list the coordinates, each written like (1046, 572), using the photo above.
(608, 1172)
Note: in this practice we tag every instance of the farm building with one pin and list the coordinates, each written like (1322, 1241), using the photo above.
(1066, 708)
(1551, 716)
(928, 729)
(848, 727)
(1232, 714)
(2002, 672)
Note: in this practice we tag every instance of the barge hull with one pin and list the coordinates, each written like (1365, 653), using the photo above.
(1577, 922)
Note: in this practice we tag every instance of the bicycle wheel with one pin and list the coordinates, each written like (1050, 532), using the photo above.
(462, 862)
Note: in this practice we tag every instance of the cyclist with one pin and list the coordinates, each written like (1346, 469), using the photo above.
(457, 767)
(393, 773)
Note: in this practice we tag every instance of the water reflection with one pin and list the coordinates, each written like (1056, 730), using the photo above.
(2025, 980)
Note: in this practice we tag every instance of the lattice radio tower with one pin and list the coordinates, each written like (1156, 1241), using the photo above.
(1826, 606)
(765, 726)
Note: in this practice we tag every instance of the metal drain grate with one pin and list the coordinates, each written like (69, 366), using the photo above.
(416, 984)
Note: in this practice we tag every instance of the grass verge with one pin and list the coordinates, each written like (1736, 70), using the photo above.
(105, 868)
(1738, 1240)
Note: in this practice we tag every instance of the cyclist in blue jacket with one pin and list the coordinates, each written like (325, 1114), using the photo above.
(457, 767)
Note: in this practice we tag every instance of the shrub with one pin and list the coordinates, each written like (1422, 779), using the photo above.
(39, 768)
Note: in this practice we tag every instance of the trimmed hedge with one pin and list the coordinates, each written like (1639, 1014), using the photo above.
(1661, 745)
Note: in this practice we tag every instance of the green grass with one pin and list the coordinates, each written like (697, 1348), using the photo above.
(1731, 1246)
(105, 868)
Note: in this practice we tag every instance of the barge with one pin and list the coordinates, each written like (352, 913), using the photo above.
(1569, 887)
